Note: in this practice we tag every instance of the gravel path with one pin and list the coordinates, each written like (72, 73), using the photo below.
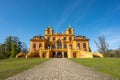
(59, 69)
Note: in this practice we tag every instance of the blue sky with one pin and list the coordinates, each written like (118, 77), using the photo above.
(92, 18)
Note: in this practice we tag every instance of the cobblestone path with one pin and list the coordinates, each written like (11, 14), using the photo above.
(59, 69)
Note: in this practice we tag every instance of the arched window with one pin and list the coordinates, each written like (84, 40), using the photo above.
(78, 45)
(34, 45)
(59, 45)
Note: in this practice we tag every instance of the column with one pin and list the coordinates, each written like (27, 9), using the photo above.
(87, 46)
(78, 54)
(56, 54)
(47, 54)
(56, 45)
(40, 54)
(62, 45)
(69, 53)
(62, 54)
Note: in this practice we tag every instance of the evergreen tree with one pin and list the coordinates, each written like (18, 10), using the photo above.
(18, 44)
(2, 51)
(13, 46)
(8, 43)
(14, 49)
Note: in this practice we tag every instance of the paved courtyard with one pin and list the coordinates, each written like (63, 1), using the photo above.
(60, 69)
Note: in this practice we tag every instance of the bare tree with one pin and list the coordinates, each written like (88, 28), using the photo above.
(102, 45)
(24, 47)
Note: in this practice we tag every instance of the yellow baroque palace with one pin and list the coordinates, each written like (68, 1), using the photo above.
(59, 45)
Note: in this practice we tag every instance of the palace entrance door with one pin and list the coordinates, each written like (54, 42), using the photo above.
(59, 55)
(65, 55)
(53, 55)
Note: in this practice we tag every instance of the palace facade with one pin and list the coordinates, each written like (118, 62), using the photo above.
(59, 45)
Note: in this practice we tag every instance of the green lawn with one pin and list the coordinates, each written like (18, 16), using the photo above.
(10, 67)
(110, 66)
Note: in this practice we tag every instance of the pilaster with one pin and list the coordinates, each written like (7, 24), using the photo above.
(62, 54)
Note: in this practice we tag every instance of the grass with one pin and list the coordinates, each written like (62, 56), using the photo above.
(10, 67)
(110, 66)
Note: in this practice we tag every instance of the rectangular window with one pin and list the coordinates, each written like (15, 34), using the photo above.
(48, 38)
(64, 38)
(53, 38)
(53, 45)
(34, 45)
(48, 46)
(48, 31)
(70, 38)
(59, 45)
(70, 46)
(65, 46)
(84, 45)
(70, 32)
